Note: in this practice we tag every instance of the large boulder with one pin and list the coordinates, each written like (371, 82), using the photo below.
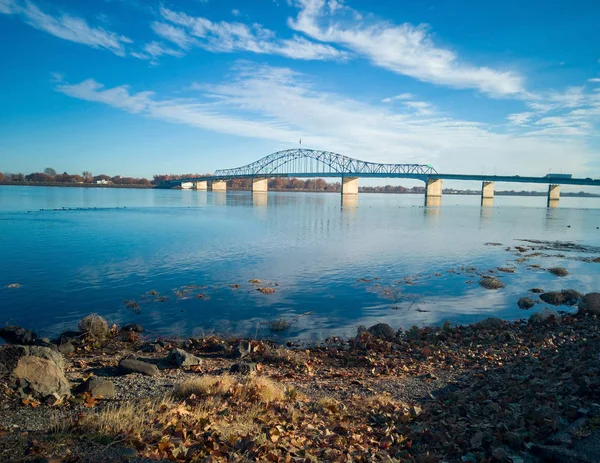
(491, 323)
(591, 303)
(34, 370)
(17, 335)
(553, 297)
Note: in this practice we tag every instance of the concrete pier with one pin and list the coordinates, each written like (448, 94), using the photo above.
(553, 195)
(350, 185)
(433, 192)
(487, 194)
(260, 185)
(201, 186)
(219, 185)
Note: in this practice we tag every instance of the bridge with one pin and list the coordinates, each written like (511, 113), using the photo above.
(315, 163)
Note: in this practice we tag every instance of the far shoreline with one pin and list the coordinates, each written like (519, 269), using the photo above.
(285, 190)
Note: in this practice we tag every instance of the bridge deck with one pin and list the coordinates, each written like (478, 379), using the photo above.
(482, 178)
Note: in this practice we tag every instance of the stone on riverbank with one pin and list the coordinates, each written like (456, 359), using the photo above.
(181, 358)
(543, 317)
(571, 296)
(525, 303)
(18, 335)
(130, 365)
(97, 387)
(382, 330)
(590, 303)
(132, 327)
(553, 298)
(36, 371)
(491, 323)
(245, 368)
(95, 326)
(559, 271)
(491, 283)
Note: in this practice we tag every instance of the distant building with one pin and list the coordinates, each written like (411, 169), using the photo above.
(102, 182)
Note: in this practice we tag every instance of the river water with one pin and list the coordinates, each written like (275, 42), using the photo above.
(186, 258)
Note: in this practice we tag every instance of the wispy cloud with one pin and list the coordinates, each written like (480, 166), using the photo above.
(280, 105)
(402, 96)
(66, 26)
(225, 37)
(405, 49)
(595, 80)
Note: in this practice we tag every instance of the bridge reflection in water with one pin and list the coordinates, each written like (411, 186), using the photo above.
(314, 163)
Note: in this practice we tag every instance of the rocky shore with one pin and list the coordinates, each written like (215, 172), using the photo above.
(490, 392)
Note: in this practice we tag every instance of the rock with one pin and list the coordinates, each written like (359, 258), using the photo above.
(536, 290)
(382, 330)
(69, 336)
(590, 303)
(491, 283)
(543, 317)
(10, 355)
(553, 297)
(134, 327)
(559, 271)
(36, 371)
(97, 387)
(17, 335)
(182, 358)
(66, 348)
(242, 349)
(245, 368)
(525, 303)
(95, 326)
(571, 297)
(491, 323)
(129, 365)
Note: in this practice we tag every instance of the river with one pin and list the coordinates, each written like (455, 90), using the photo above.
(183, 259)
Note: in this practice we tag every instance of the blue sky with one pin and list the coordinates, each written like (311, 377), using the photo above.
(138, 87)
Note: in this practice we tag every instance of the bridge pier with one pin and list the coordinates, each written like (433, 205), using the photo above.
(487, 194)
(201, 186)
(218, 185)
(349, 185)
(260, 185)
(553, 195)
(433, 192)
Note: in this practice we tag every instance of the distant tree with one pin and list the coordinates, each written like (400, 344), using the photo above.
(50, 171)
(1, 177)
(101, 177)
(87, 176)
(39, 177)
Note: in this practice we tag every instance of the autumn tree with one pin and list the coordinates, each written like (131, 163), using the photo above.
(50, 171)
(87, 176)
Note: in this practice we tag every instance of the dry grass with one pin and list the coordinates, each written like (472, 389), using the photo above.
(127, 417)
(205, 386)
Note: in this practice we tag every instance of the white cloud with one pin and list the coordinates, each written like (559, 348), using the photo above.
(595, 80)
(226, 37)
(402, 96)
(520, 118)
(66, 27)
(235, 12)
(405, 49)
(173, 34)
(279, 105)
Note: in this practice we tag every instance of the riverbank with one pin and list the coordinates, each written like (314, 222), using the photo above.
(494, 391)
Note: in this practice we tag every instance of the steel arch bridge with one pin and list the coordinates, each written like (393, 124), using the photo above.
(307, 162)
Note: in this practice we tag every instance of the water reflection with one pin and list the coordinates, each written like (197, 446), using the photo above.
(259, 198)
(433, 201)
(319, 253)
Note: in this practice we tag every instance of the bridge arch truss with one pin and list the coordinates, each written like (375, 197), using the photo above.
(314, 162)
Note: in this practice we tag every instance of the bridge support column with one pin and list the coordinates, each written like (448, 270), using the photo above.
(219, 185)
(433, 192)
(487, 194)
(202, 186)
(260, 185)
(349, 185)
(553, 195)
